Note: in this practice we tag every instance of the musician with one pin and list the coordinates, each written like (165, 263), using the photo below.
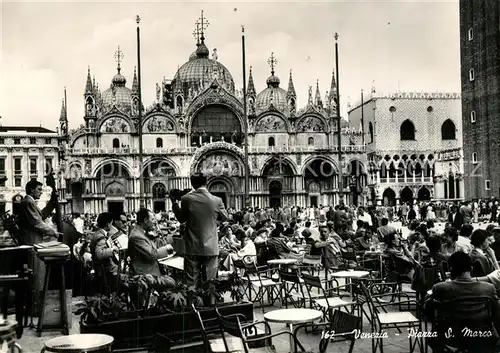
(104, 255)
(120, 225)
(33, 229)
(144, 254)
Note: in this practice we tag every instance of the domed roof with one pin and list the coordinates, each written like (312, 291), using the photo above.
(200, 70)
(117, 95)
(274, 95)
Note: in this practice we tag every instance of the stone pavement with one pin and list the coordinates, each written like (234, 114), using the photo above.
(397, 343)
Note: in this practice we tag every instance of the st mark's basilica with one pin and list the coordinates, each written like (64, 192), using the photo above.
(197, 124)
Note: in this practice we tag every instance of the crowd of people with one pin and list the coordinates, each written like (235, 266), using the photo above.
(420, 243)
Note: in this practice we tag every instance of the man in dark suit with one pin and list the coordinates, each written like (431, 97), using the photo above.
(144, 254)
(455, 218)
(459, 294)
(200, 210)
(33, 229)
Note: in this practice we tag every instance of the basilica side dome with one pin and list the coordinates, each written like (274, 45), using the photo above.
(272, 94)
(117, 95)
(199, 71)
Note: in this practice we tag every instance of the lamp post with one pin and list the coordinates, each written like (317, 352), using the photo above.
(339, 127)
(142, 202)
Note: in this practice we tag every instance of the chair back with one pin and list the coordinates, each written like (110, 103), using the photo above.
(289, 276)
(231, 325)
(344, 325)
(463, 318)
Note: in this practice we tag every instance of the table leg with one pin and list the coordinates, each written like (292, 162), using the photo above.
(64, 308)
(292, 341)
(41, 310)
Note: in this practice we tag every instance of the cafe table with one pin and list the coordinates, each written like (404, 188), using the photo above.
(292, 317)
(380, 255)
(348, 275)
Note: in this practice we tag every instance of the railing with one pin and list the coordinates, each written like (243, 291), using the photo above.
(252, 149)
(409, 180)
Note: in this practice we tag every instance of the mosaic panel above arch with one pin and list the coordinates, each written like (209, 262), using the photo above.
(115, 125)
(158, 124)
(115, 189)
(220, 164)
(311, 124)
(271, 123)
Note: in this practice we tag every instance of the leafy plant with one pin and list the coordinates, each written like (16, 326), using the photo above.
(149, 292)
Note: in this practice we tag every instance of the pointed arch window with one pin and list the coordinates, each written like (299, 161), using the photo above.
(370, 130)
(159, 142)
(271, 142)
(310, 141)
(448, 131)
(116, 143)
(407, 131)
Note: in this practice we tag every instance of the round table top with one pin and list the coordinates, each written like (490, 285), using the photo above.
(282, 261)
(351, 274)
(77, 343)
(293, 316)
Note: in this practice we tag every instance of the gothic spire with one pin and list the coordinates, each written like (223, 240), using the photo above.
(290, 93)
(333, 88)
(63, 116)
(135, 84)
(310, 98)
(88, 85)
(251, 87)
(317, 97)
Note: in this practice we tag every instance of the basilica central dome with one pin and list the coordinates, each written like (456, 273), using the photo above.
(117, 95)
(199, 71)
(273, 94)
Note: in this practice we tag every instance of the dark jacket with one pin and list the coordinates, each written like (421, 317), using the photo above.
(143, 254)
(481, 264)
(200, 210)
(102, 254)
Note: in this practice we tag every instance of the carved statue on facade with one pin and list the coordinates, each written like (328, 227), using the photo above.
(88, 166)
(158, 92)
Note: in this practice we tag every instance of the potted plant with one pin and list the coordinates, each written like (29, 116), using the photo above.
(135, 323)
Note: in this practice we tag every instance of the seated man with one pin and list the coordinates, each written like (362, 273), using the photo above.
(143, 253)
(470, 312)
(105, 257)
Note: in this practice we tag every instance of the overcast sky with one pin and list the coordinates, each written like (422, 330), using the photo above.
(45, 46)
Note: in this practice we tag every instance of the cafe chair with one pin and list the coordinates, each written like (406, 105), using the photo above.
(230, 334)
(261, 283)
(460, 316)
(326, 299)
(384, 319)
(293, 289)
(342, 328)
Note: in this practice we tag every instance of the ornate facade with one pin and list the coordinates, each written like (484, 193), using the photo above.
(197, 123)
(26, 152)
(414, 146)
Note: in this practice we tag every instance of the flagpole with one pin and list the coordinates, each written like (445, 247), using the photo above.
(362, 117)
(339, 127)
(245, 118)
(139, 93)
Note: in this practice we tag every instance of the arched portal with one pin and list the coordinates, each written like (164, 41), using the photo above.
(389, 197)
(115, 181)
(77, 197)
(424, 194)
(158, 171)
(220, 189)
(406, 195)
(322, 173)
(275, 193)
(159, 197)
(356, 180)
